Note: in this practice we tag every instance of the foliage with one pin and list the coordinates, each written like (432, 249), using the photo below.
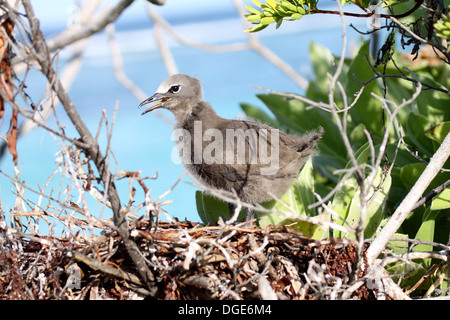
(368, 97)
(442, 27)
(419, 24)
(424, 125)
(276, 12)
(210, 209)
(420, 127)
(264, 14)
(289, 10)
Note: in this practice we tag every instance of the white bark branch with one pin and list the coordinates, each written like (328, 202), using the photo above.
(404, 209)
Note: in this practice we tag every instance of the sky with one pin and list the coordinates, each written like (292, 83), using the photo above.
(55, 15)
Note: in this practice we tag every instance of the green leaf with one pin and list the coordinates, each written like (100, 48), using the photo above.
(257, 3)
(442, 27)
(402, 156)
(309, 229)
(299, 196)
(392, 3)
(256, 28)
(377, 193)
(397, 90)
(306, 188)
(426, 233)
(210, 208)
(301, 10)
(296, 16)
(281, 11)
(279, 23)
(433, 104)
(410, 173)
(409, 272)
(327, 165)
(268, 20)
(365, 3)
(252, 10)
(367, 110)
(199, 204)
(438, 132)
(343, 197)
(322, 61)
(442, 201)
(272, 3)
(398, 246)
(253, 18)
(357, 135)
(293, 114)
(259, 115)
(416, 127)
(287, 6)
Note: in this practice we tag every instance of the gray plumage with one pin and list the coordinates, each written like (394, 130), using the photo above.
(182, 95)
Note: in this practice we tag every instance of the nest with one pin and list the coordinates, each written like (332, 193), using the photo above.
(188, 261)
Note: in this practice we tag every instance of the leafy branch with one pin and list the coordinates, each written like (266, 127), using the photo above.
(290, 10)
(443, 27)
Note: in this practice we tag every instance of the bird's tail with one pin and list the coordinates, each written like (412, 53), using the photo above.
(309, 140)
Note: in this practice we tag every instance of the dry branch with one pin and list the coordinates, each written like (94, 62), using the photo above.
(70, 36)
(41, 54)
(229, 263)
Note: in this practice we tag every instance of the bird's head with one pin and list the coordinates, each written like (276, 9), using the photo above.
(179, 94)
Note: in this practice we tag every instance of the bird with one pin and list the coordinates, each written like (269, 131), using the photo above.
(251, 159)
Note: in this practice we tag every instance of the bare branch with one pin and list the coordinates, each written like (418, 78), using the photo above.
(70, 36)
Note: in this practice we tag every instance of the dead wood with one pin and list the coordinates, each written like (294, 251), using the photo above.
(188, 260)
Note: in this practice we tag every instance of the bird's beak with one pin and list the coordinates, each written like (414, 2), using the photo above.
(160, 98)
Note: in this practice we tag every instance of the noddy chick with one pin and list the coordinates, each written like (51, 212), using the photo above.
(251, 158)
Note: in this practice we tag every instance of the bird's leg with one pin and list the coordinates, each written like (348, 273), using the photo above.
(231, 208)
(249, 214)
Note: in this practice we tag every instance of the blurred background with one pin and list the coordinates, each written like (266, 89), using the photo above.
(144, 142)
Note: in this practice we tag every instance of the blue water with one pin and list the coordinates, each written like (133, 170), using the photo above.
(144, 142)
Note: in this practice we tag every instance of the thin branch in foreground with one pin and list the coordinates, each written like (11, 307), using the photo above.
(402, 76)
(433, 193)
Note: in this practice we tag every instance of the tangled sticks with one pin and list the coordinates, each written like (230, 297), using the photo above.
(189, 261)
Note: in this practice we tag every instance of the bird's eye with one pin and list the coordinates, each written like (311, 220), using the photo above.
(174, 89)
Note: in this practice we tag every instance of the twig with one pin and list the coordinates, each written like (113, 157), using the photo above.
(118, 64)
(433, 193)
(98, 266)
(68, 74)
(402, 75)
(370, 13)
(166, 54)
